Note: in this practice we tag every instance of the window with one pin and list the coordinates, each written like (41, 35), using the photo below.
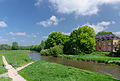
(104, 43)
(115, 44)
(109, 43)
(104, 49)
(109, 48)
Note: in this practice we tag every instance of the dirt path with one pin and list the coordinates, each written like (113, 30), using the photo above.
(12, 73)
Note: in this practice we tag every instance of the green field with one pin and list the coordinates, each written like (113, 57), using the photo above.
(2, 69)
(45, 71)
(95, 56)
(17, 57)
(5, 79)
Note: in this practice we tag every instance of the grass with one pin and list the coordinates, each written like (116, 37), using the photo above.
(2, 69)
(17, 58)
(95, 56)
(45, 71)
(5, 79)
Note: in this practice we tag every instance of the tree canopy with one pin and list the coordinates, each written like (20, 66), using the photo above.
(103, 32)
(15, 46)
(55, 38)
(83, 39)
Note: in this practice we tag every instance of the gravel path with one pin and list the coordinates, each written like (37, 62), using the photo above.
(12, 73)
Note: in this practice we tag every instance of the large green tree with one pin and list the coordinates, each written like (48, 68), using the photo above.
(83, 40)
(15, 46)
(55, 38)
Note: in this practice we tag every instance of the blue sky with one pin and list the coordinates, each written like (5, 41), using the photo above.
(30, 21)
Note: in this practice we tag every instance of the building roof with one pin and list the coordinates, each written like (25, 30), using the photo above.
(108, 36)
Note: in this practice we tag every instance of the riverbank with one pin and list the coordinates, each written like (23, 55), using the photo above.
(17, 58)
(44, 71)
(99, 57)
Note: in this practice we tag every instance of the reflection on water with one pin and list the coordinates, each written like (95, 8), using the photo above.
(95, 67)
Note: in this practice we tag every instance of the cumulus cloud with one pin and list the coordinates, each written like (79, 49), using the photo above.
(101, 26)
(53, 20)
(38, 2)
(3, 24)
(80, 7)
(17, 34)
(66, 33)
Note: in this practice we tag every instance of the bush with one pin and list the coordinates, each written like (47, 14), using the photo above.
(56, 50)
(44, 52)
(53, 51)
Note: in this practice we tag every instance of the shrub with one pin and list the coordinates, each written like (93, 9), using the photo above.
(44, 52)
(56, 50)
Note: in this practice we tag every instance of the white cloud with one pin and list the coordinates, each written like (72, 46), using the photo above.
(17, 34)
(101, 26)
(80, 7)
(117, 33)
(38, 2)
(53, 20)
(3, 24)
(66, 33)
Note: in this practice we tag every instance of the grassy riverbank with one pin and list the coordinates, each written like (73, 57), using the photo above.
(45, 71)
(101, 57)
(17, 57)
(5, 79)
(2, 69)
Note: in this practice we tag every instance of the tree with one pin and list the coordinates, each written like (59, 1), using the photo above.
(15, 46)
(5, 47)
(83, 40)
(42, 45)
(55, 38)
(103, 32)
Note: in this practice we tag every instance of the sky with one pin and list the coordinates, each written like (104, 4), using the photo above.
(28, 22)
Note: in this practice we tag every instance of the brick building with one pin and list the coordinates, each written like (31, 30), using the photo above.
(106, 42)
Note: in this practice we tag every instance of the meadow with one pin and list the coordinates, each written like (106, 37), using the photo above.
(45, 71)
(100, 57)
(17, 58)
(2, 69)
(5, 79)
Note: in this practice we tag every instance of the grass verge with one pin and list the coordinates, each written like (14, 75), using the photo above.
(2, 69)
(17, 58)
(5, 79)
(45, 71)
(100, 57)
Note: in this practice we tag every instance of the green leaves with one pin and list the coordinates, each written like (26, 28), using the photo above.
(83, 39)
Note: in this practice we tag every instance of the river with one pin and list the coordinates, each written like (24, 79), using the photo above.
(112, 70)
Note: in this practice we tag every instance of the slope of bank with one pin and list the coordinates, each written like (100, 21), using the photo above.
(100, 57)
(45, 71)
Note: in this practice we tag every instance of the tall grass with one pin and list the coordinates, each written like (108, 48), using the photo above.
(45, 71)
(5, 79)
(95, 56)
(17, 58)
